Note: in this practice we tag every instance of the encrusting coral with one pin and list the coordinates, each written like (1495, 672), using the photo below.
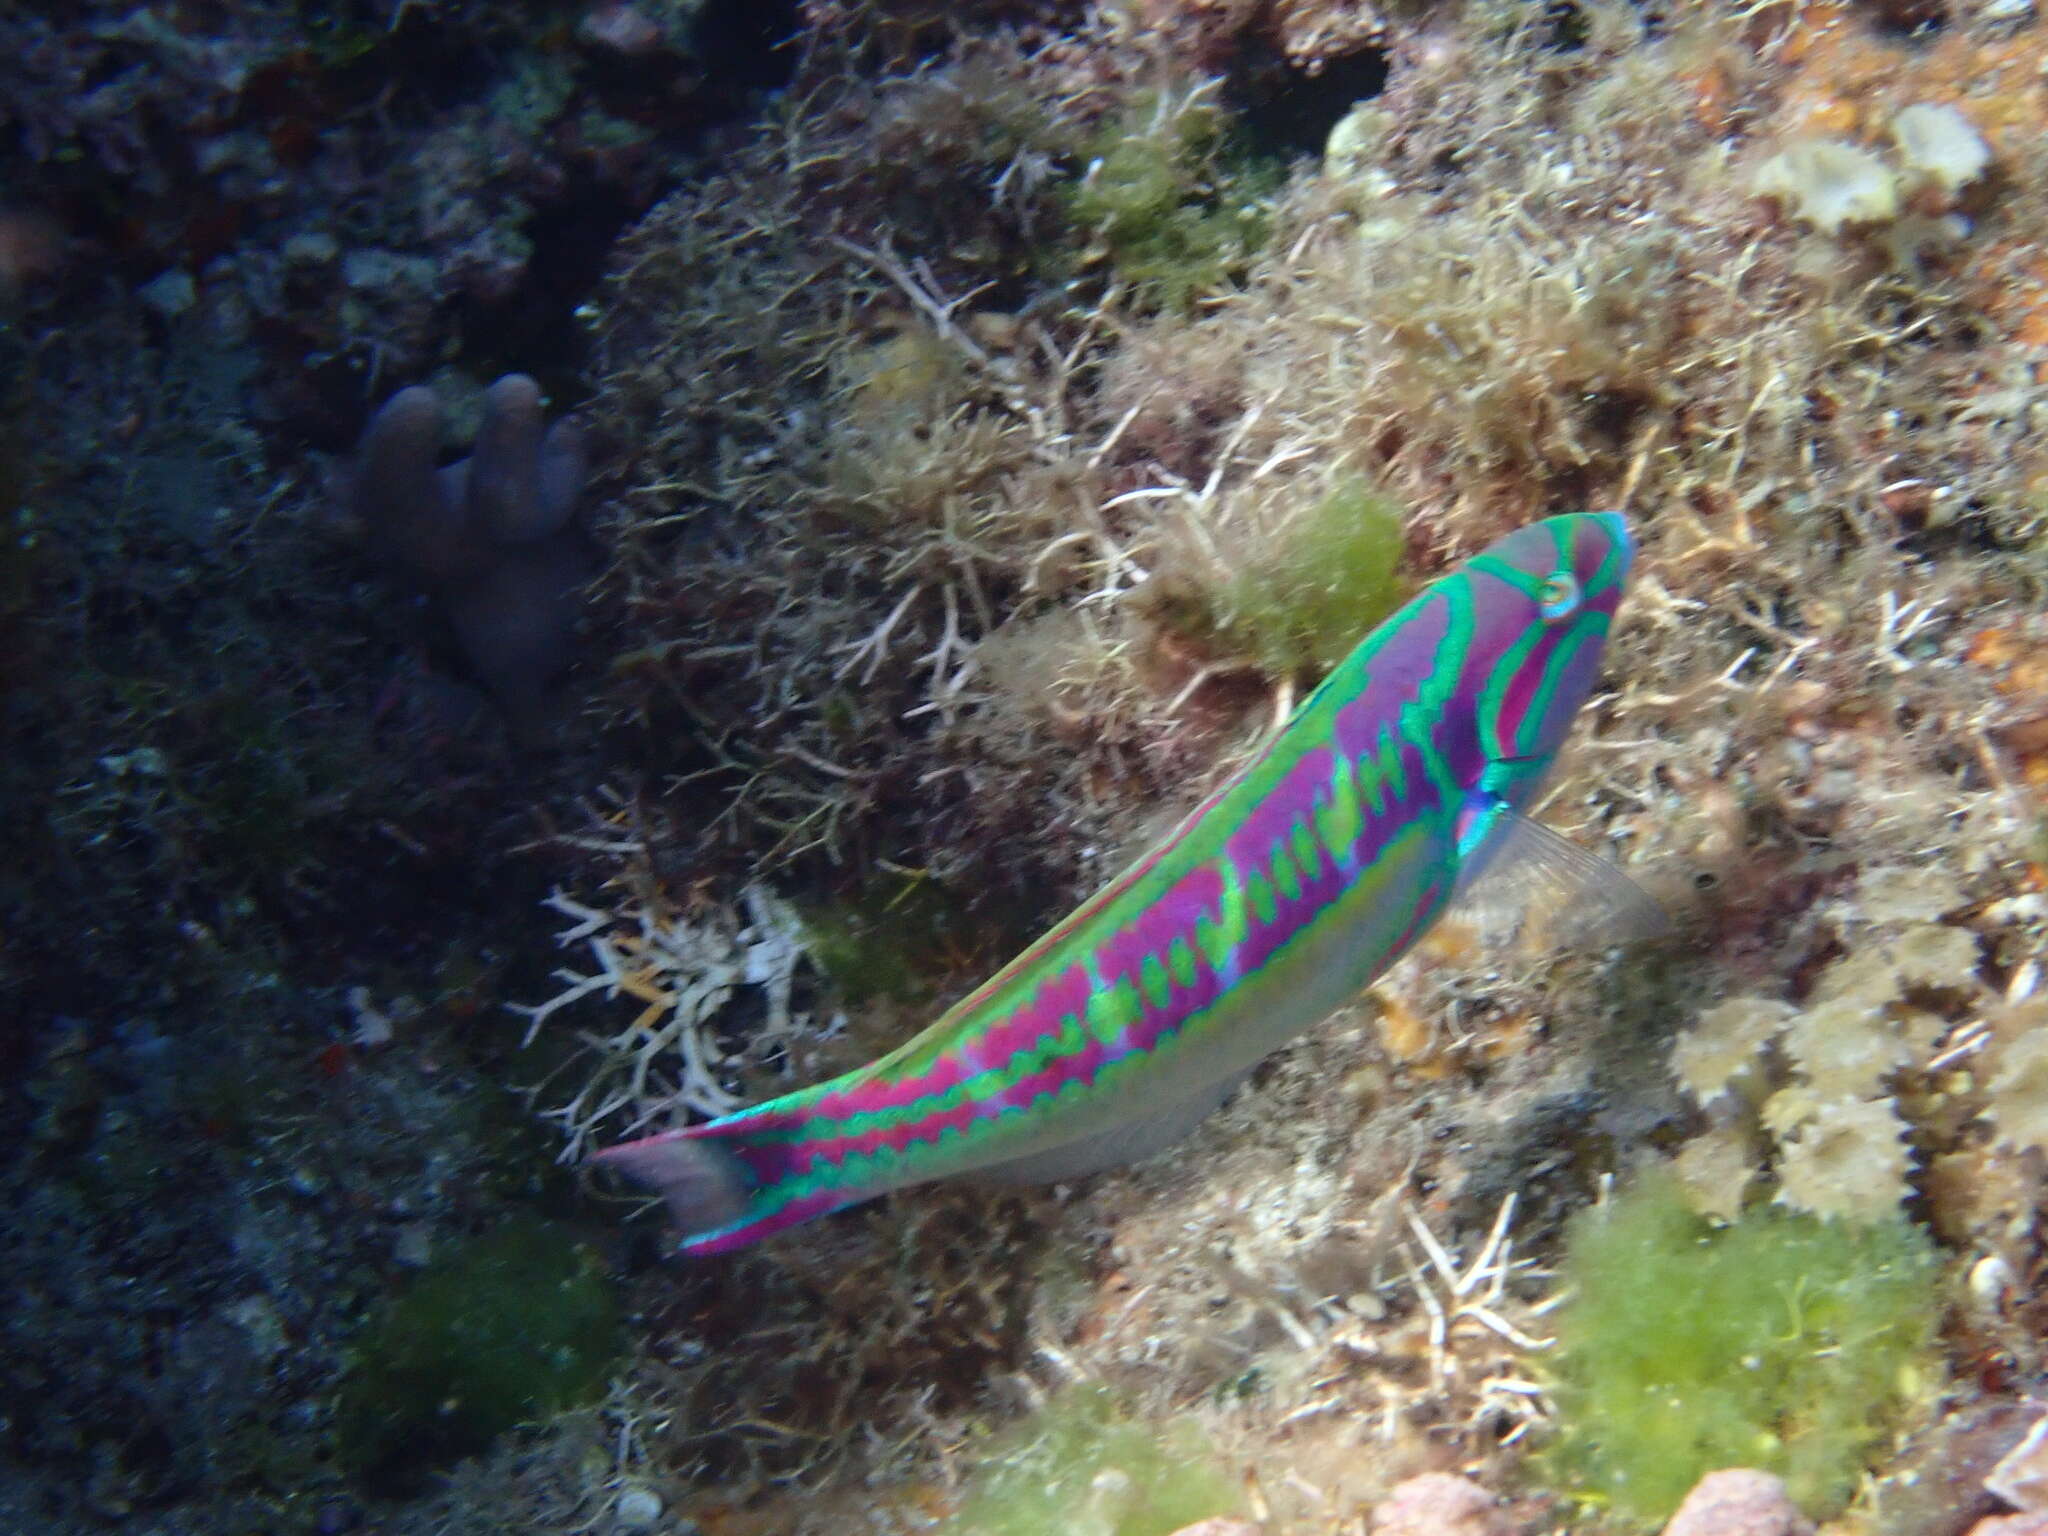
(1839, 1085)
(492, 537)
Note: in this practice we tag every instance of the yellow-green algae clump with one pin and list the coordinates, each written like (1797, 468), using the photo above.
(1291, 600)
(1173, 204)
(1316, 589)
(1781, 1342)
(1081, 1466)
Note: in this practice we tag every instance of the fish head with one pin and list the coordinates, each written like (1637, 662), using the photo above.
(1543, 600)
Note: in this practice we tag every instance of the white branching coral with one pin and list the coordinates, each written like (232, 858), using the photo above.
(686, 971)
(1850, 1160)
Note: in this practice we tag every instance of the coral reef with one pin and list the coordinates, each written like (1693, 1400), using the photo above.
(230, 808)
(357, 190)
(1008, 415)
(200, 1220)
(993, 552)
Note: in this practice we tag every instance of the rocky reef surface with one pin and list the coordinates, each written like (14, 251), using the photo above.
(973, 427)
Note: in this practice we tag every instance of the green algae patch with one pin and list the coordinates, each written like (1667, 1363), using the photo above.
(1305, 601)
(1294, 600)
(898, 937)
(1176, 206)
(512, 1326)
(1080, 1465)
(1782, 1342)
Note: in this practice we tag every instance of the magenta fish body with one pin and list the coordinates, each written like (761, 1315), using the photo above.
(1394, 785)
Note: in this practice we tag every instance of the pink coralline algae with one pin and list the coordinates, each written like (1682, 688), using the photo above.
(1738, 1502)
(1438, 1504)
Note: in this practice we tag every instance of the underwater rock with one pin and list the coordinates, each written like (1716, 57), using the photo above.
(2021, 1476)
(638, 1508)
(492, 538)
(1935, 1487)
(1737, 1501)
(1438, 1504)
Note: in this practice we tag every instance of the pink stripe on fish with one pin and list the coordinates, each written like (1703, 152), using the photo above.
(1521, 690)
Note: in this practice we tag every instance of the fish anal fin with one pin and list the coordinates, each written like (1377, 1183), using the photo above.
(1131, 1140)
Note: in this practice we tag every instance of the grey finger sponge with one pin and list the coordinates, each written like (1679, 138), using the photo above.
(492, 538)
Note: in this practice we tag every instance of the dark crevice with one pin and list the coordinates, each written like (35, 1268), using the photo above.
(534, 327)
(749, 44)
(1286, 111)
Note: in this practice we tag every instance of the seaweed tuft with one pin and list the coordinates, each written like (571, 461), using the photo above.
(1170, 200)
(1293, 601)
(1082, 1464)
(1801, 1344)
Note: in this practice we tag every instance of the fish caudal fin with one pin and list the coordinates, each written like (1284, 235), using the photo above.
(727, 1183)
(705, 1185)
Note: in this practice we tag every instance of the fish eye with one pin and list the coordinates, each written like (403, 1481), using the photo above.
(1558, 597)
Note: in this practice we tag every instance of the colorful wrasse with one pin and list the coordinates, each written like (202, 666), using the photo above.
(1275, 901)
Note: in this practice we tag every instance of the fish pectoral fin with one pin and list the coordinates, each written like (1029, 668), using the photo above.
(1130, 1141)
(1526, 877)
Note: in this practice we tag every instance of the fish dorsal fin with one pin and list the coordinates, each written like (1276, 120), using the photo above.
(1523, 879)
